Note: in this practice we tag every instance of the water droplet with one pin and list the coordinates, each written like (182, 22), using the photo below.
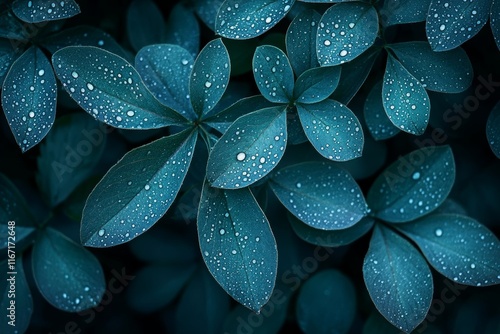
(77, 301)
(298, 185)
(472, 266)
(442, 27)
(86, 288)
(147, 187)
(277, 138)
(222, 231)
(262, 160)
(327, 42)
(351, 25)
(416, 176)
(41, 72)
(74, 75)
(118, 118)
(268, 20)
(439, 232)
(206, 253)
(241, 156)
(208, 84)
(101, 232)
(184, 62)
(90, 86)
(31, 114)
(233, 252)
(343, 53)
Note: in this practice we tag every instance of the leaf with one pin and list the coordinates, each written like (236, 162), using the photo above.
(398, 279)
(137, 191)
(403, 11)
(35, 11)
(405, 100)
(237, 245)
(316, 84)
(110, 89)
(67, 275)
(7, 56)
(493, 130)
(247, 19)
(333, 129)
(273, 74)
(296, 134)
(414, 185)
(13, 29)
(345, 31)
(13, 206)
(250, 148)
(452, 22)
(458, 247)
(320, 194)
(207, 11)
(314, 311)
(495, 21)
(446, 72)
(29, 96)
(210, 77)
(145, 24)
(183, 29)
(377, 121)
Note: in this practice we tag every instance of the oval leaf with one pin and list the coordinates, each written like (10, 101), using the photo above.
(316, 84)
(379, 125)
(403, 11)
(145, 24)
(34, 11)
(493, 130)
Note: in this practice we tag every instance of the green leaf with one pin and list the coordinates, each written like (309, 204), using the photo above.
(110, 89)
(452, 22)
(346, 31)
(183, 29)
(273, 74)
(495, 21)
(34, 11)
(403, 11)
(29, 97)
(414, 185)
(314, 310)
(398, 279)
(458, 247)
(207, 11)
(250, 148)
(145, 24)
(7, 56)
(247, 19)
(237, 245)
(137, 191)
(320, 194)
(405, 100)
(13, 207)
(316, 84)
(333, 129)
(493, 130)
(377, 122)
(68, 276)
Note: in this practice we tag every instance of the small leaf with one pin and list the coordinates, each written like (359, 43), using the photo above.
(250, 148)
(495, 21)
(320, 194)
(183, 29)
(316, 84)
(405, 100)
(13, 206)
(145, 24)
(398, 279)
(493, 130)
(34, 11)
(458, 247)
(346, 31)
(379, 125)
(137, 191)
(68, 276)
(414, 185)
(207, 11)
(333, 129)
(273, 74)
(403, 11)
(237, 245)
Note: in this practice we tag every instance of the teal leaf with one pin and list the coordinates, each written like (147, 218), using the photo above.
(403, 11)
(68, 276)
(405, 100)
(247, 19)
(495, 21)
(183, 29)
(377, 122)
(296, 134)
(29, 97)
(137, 191)
(398, 279)
(346, 31)
(314, 311)
(13, 206)
(320, 194)
(414, 185)
(333, 129)
(237, 245)
(493, 130)
(452, 22)
(250, 148)
(446, 72)
(210, 77)
(145, 24)
(316, 84)
(110, 89)
(7, 56)
(273, 74)
(13, 29)
(207, 11)
(34, 11)
(458, 247)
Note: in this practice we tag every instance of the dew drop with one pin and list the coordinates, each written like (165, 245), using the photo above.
(268, 20)
(208, 84)
(233, 252)
(206, 253)
(472, 266)
(130, 113)
(101, 232)
(241, 156)
(147, 187)
(416, 176)
(442, 27)
(343, 53)
(277, 138)
(351, 25)
(31, 114)
(90, 86)
(439, 232)
(298, 185)
(74, 75)
(262, 160)
(41, 72)
(327, 42)
(222, 231)
(184, 62)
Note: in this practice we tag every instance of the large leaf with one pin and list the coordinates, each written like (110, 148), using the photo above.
(398, 279)
(13, 207)
(237, 245)
(29, 97)
(493, 130)
(458, 247)
(376, 119)
(414, 185)
(34, 11)
(495, 21)
(137, 191)
(316, 84)
(250, 148)
(403, 11)
(145, 24)
(183, 29)
(110, 89)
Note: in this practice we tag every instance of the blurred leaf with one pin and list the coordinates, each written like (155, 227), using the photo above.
(403, 11)
(207, 11)
(7, 56)
(35, 11)
(377, 121)
(13, 206)
(145, 24)
(74, 204)
(316, 84)
(493, 130)
(183, 29)
(13, 29)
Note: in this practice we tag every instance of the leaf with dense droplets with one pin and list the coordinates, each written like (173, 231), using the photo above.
(320, 194)
(273, 74)
(250, 148)
(110, 89)
(403, 11)
(376, 119)
(210, 77)
(68, 276)
(495, 21)
(458, 247)
(493, 130)
(398, 279)
(29, 97)
(446, 72)
(13, 206)
(165, 69)
(137, 191)
(405, 100)
(207, 11)
(414, 185)
(34, 11)
(145, 24)
(346, 31)
(333, 129)
(453, 22)
(316, 84)
(247, 19)
(183, 29)
(7, 56)
(237, 245)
